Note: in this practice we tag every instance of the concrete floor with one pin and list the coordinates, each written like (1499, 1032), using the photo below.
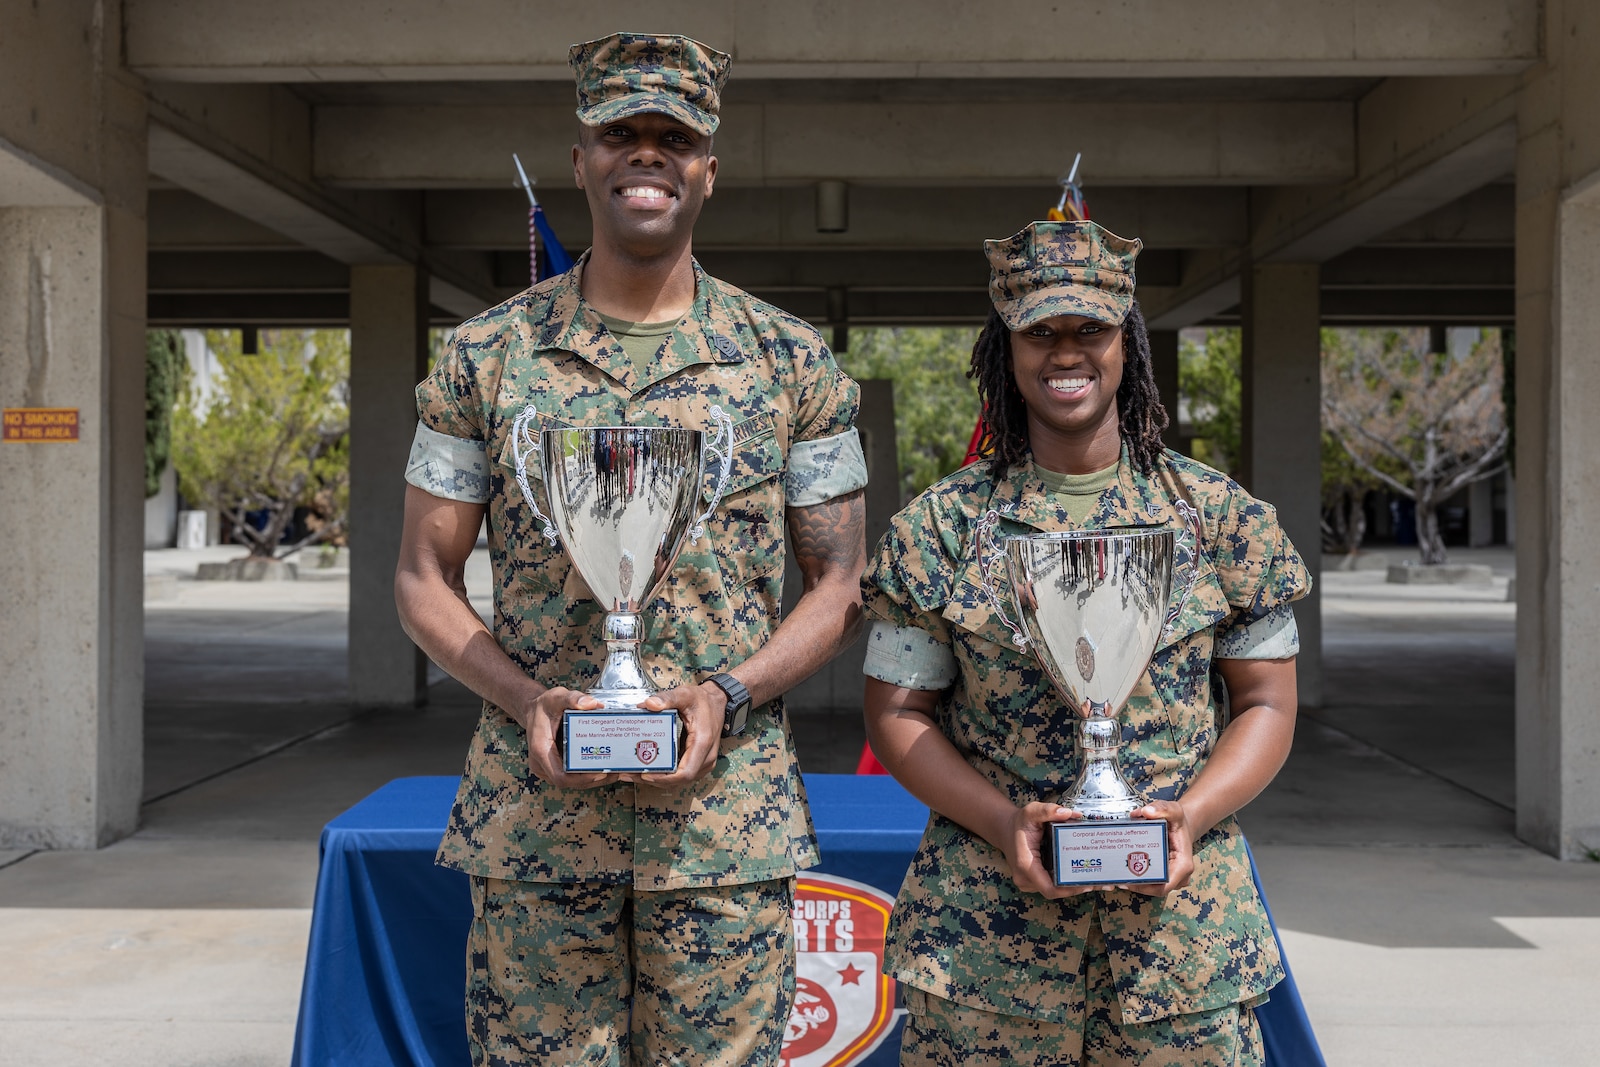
(1419, 929)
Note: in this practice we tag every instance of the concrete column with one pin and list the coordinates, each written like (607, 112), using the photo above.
(72, 316)
(1480, 513)
(1558, 440)
(1511, 510)
(1281, 446)
(1164, 357)
(388, 355)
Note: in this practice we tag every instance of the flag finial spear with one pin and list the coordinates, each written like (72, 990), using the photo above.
(528, 185)
(1067, 183)
(1071, 207)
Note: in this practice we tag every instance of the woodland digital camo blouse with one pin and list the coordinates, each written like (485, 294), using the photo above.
(795, 445)
(961, 929)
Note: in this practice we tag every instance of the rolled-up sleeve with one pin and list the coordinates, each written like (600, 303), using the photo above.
(454, 468)
(908, 657)
(904, 592)
(824, 468)
(1273, 636)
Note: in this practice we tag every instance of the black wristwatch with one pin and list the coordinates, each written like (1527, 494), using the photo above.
(738, 710)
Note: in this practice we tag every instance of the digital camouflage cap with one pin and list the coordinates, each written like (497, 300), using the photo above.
(1061, 268)
(635, 73)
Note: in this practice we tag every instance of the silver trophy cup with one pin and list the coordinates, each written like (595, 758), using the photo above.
(623, 501)
(1092, 606)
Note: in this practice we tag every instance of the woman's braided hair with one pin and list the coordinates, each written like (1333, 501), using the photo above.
(1140, 414)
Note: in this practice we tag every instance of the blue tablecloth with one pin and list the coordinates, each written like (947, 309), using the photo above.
(386, 967)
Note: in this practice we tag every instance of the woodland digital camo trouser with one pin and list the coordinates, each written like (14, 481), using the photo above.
(941, 1033)
(555, 972)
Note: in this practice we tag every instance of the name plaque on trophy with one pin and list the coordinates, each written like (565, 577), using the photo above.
(1114, 852)
(610, 741)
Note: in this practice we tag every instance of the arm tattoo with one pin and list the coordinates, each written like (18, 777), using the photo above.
(830, 535)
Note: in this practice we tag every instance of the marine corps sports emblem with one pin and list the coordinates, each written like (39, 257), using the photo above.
(843, 1004)
(646, 751)
(1138, 863)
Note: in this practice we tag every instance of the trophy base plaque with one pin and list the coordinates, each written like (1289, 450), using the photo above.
(1108, 852)
(627, 741)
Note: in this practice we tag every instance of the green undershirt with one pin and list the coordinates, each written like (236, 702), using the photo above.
(1078, 493)
(640, 340)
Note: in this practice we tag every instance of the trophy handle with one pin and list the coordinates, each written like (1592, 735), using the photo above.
(524, 443)
(1191, 529)
(984, 539)
(721, 448)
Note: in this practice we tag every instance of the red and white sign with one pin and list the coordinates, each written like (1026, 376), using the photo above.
(844, 1003)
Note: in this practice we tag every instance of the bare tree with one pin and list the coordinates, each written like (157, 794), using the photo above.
(1425, 424)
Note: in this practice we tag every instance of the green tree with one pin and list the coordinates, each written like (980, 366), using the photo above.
(1345, 482)
(935, 404)
(1345, 485)
(273, 437)
(164, 371)
(1208, 382)
(438, 340)
(1425, 424)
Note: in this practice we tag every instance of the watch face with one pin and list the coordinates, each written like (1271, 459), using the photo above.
(738, 705)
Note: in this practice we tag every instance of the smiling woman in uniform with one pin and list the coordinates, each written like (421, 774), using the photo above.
(999, 964)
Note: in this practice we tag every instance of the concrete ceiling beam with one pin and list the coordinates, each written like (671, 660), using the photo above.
(301, 271)
(28, 181)
(244, 190)
(1233, 142)
(1340, 307)
(812, 269)
(245, 153)
(333, 309)
(1421, 268)
(1407, 307)
(420, 40)
(461, 302)
(1484, 217)
(926, 270)
(1210, 285)
(879, 308)
(296, 271)
(871, 307)
(1392, 200)
(181, 221)
(881, 217)
(232, 310)
(1421, 143)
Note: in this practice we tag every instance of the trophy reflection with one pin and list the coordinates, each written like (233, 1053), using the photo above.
(623, 502)
(1091, 605)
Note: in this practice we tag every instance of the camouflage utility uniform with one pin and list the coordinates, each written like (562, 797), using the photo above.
(636, 923)
(745, 826)
(1112, 974)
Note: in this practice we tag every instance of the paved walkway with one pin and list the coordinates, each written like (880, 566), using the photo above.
(1420, 930)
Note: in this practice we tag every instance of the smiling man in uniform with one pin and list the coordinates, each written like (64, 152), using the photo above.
(645, 918)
